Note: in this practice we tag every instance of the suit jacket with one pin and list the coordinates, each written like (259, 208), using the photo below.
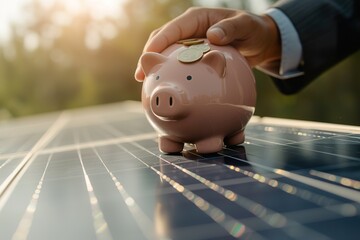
(329, 31)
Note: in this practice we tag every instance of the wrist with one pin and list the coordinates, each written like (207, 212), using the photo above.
(273, 48)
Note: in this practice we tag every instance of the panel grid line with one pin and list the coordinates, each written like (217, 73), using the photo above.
(15, 176)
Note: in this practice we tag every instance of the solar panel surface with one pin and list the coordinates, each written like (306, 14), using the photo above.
(97, 173)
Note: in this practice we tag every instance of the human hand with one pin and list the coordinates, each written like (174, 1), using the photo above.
(255, 36)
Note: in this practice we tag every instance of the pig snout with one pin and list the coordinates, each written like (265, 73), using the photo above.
(166, 103)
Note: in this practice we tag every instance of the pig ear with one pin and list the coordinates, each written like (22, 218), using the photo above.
(216, 60)
(150, 60)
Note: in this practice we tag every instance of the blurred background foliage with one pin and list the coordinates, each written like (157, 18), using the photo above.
(57, 58)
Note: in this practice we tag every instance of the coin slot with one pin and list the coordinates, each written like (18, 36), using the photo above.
(157, 101)
(171, 101)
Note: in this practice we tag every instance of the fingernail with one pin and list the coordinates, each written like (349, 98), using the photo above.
(218, 32)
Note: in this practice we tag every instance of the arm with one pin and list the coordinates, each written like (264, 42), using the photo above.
(329, 31)
(291, 49)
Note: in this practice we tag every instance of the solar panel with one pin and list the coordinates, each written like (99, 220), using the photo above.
(97, 173)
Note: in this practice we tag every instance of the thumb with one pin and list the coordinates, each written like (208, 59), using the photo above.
(230, 29)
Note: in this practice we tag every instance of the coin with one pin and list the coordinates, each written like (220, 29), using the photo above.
(189, 43)
(189, 55)
(187, 40)
(202, 47)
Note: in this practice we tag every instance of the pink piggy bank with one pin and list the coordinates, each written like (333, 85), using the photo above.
(204, 100)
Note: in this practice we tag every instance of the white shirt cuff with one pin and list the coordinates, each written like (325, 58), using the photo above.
(291, 49)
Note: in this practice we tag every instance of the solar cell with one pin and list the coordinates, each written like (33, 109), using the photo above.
(97, 173)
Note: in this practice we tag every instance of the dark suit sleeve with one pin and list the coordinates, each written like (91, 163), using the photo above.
(329, 31)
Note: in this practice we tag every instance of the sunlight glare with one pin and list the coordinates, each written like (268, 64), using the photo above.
(99, 9)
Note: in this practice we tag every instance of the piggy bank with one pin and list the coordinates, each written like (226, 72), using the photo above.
(203, 99)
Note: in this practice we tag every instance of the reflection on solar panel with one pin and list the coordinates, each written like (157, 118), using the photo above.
(96, 173)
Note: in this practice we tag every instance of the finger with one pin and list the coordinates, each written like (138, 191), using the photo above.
(193, 23)
(239, 27)
(185, 26)
(153, 33)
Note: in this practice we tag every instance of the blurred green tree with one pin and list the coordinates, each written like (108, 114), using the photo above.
(57, 59)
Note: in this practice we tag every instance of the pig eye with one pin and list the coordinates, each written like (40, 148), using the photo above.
(157, 77)
(189, 77)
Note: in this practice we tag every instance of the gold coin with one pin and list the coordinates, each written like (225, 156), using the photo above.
(189, 43)
(190, 55)
(202, 47)
(187, 40)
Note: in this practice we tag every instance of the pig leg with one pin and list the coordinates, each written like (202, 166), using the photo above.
(235, 139)
(167, 145)
(210, 145)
